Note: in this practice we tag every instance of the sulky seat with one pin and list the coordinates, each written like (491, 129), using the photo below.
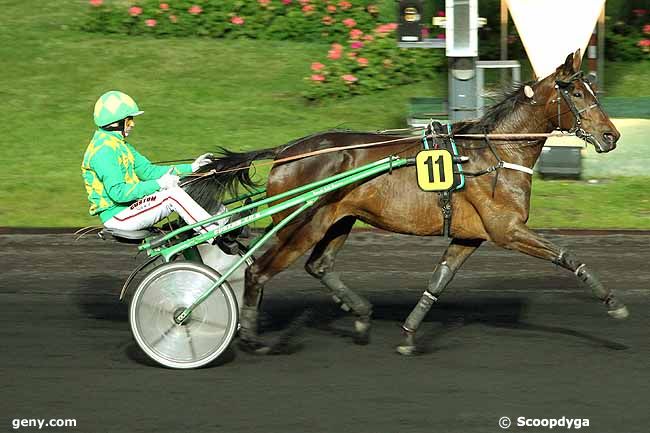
(125, 236)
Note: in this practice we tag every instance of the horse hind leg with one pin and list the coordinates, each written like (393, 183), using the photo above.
(321, 264)
(291, 245)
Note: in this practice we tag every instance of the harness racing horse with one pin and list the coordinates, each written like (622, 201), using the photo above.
(493, 207)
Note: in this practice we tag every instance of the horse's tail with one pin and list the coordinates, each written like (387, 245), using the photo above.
(232, 171)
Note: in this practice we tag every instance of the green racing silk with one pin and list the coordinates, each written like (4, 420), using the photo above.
(115, 174)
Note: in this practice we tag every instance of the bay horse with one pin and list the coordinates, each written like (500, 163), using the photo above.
(487, 209)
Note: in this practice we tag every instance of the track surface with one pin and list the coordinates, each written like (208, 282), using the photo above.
(513, 336)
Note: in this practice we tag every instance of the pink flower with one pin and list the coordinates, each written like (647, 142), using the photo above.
(441, 13)
(150, 22)
(134, 11)
(317, 66)
(349, 22)
(333, 54)
(286, 2)
(643, 43)
(336, 47)
(195, 10)
(164, 6)
(368, 38)
(356, 45)
(345, 5)
(349, 78)
(173, 18)
(424, 32)
(318, 77)
(303, 2)
(362, 61)
(264, 2)
(441, 36)
(331, 8)
(327, 20)
(639, 12)
(352, 55)
(386, 28)
(96, 3)
(355, 33)
(308, 8)
(236, 20)
(646, 29)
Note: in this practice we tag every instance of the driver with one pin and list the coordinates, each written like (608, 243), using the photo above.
(125, 190)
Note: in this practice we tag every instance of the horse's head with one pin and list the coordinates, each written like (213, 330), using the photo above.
(573, 106)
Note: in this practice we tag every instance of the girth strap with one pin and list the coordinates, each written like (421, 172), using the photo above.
(516, 167)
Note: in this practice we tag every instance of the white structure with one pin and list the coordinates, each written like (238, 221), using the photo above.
(551, 29)
(461, 28)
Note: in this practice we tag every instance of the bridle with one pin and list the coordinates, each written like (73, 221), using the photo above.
(564, 88)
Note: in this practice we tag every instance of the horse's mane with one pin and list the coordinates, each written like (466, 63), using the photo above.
(495, 114)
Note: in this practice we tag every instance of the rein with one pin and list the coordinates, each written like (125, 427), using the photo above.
(563, 89)
(501, 137)
(198, 176)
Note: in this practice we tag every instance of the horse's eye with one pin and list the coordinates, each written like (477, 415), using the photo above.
(577, 94)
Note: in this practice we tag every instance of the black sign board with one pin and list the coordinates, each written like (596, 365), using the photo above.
(411, 14)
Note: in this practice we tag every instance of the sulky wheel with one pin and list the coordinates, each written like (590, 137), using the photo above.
(162, 295)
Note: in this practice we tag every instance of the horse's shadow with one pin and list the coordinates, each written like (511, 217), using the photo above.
(509, 313)
(97, 298)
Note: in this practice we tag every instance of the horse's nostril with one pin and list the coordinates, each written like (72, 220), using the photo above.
(609, 137)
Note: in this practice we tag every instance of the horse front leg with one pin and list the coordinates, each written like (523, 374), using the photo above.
(457, 252)
(520, 238)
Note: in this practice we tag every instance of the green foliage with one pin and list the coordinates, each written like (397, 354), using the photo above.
(200, 93)
(368, 63)
(378, 65)
(629, 40)
(301, 20)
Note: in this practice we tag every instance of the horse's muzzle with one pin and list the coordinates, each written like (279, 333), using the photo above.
(610, 138)
(607, 141)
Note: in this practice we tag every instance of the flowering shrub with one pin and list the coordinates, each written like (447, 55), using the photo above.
(304, 20)
(630, 40)
(368, 62)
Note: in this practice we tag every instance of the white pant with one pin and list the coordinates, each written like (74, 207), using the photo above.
(150, 209)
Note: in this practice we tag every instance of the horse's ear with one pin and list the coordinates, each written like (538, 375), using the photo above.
(577, 61)
(567, 67)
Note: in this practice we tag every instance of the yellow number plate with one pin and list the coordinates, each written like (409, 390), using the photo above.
(435, 170)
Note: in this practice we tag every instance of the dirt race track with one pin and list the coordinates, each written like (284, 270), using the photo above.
(513, 336)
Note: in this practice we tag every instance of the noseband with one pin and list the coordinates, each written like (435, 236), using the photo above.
(563, 89)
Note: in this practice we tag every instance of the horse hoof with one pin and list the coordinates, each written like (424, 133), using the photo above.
(362, 332)
(407, 350)
(619, 313)
(254, 347)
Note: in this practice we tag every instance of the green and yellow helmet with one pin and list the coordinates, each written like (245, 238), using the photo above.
(113, 106)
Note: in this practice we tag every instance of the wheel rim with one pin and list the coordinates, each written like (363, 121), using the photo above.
(203, 336)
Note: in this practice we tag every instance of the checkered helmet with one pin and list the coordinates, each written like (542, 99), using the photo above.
(113, 106)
